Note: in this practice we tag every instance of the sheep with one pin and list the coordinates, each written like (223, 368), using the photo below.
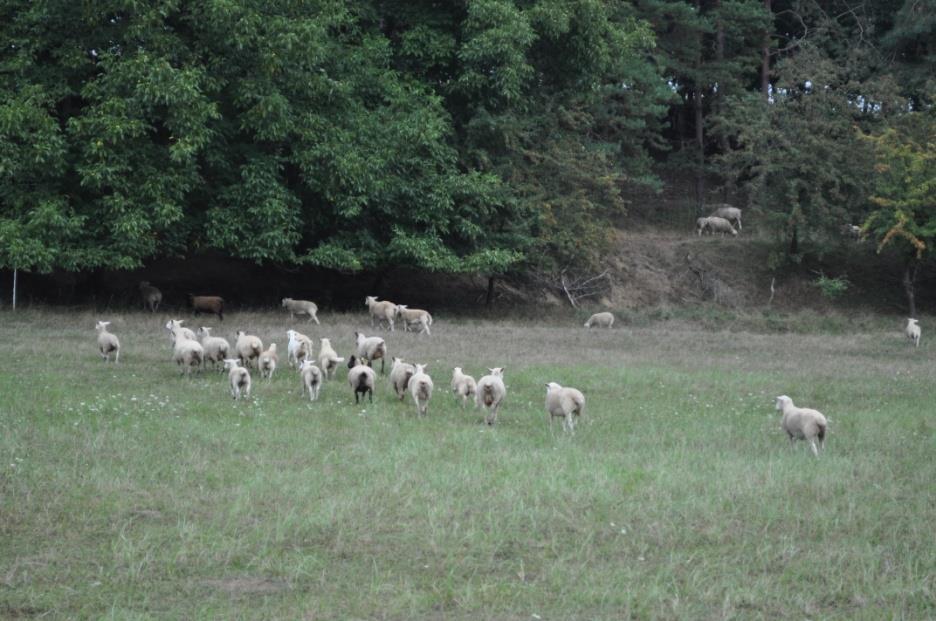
(152, 296)
(565, 403)
(852, 231)
(248, 347)
(420, 386)
(361, 378)
(729, 213)
(239, 377)
(414, 317)
(175, 327)
(328, 358)
(463, 386)
(913, 331)
(802, 423)
(311, 378)
(602, 320)
(715, 224)
(400, 374)
(490, 393)
(380, 311)
(301, 307)
(267, 362)
(107, 342)
(216, 348)
(298, 347)
(371, 348)
(207, 304)
(187, 352)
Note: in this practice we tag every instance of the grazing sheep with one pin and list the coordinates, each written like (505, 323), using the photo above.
(729, 213)
(714, 224)
(301, 307)
(400, 374)
(802, 423)
(361, 378)
(913, 331)
(186, 352)
(601, 320)
(152, 296)
(207, 304)
(421, 388)
(371, 348)
(328, 358)
(463, 386)
(414, 318)
(216, 348)
(299, 347)
(565, 403)
(490, 393)
(248, 347)
(267, 362)
(175, 327)
(240, 379)
(107, 342)
(311, 378)
(380, 311)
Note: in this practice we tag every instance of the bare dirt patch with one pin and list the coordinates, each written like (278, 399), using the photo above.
(246, 585)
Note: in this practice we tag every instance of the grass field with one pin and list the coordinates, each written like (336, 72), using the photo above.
(127, 492)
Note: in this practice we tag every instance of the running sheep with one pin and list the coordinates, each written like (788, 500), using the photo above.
(421, 388)
(186, 352)
(267, 362)
(247, 347)
(216, 348)
(312, 378)
(301, 307)
(380, 312)
(566, 403)
(328, 359)
(298, 347)
(414, 318)
(175, 327)
(490, 393)
(361, 378)
(400, 374)
(913, 331)
(107, 342)
(239, 377)
(371, 348)
(802, 424)
(463, 386)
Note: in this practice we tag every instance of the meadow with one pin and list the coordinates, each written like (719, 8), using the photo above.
(128, 492)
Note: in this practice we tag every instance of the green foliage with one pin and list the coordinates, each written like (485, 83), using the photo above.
(832, 288)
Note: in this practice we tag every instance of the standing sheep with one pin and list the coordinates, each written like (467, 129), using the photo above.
(328, 358)
(463, 386)
(601, 320)
(361, 378)
(491, 392)
(371, 348)
(714, 224)
(913, 331)
(414, 318)
(400, 374)
(107, 342)
(152, 296)
(267, 362)
(216, 348)
(239, 377)
(565, 403)
(421, 389)
(248, 347)
(311, 378)
(380, 311)
(301, 307)
(729, 213)
(207, 304)
(802, 423)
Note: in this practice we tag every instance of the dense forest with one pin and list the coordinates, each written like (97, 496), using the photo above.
(480, 136)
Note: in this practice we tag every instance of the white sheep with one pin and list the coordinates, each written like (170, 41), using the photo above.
(239, 377)
(491, 392)
(301, 307)
(216, 348)
(414, 318)
(400, 374)
(715, 224)
(267, 362)
(247, 347)
(371, 348)
(420, 386)
(802, 423)
(298, 347)
(361, 378)
(175, 327)
(380, 311)
(913, 331)
(107, 342)
(312, 378)
(187, 352)
(601, 320)
(729, 213)
(567, 403)
(463, 386)
(328, 359)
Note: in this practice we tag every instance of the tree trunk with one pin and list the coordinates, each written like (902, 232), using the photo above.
(489, 298)
(721, 84)
(14, 287)
(700, 144)
(794, 240)
(765, 57)
(908, 280)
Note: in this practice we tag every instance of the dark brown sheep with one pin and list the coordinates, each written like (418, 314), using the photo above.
(208, 304)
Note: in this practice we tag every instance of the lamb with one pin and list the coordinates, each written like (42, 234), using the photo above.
(175, 327)
(565, 403)
(380, 311)
(715, 224)
(361, 378)
(207, 304)
(298, 347)
(421, 388)
(186, 352)
(240, 379)
(267, 362)
(328, 358)
(400, 374)
(301, 307)
(463, 386)
(729, 213)
(107, 342)
(371, 348)
(216, 348)
(311, 378)
(601, 320)
(802, 423)
(913, 331)
(414, 317)
(248, 347)
(491, 392)
(152, 296)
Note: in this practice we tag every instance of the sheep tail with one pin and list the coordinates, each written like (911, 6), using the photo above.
(488, 394)
(362, 382)
(822, 432)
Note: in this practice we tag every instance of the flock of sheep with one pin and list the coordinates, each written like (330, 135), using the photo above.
(191, 351)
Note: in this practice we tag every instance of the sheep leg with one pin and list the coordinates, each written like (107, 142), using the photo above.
(117, 356)
(382, 360)
(812, 444)
(570, 423)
